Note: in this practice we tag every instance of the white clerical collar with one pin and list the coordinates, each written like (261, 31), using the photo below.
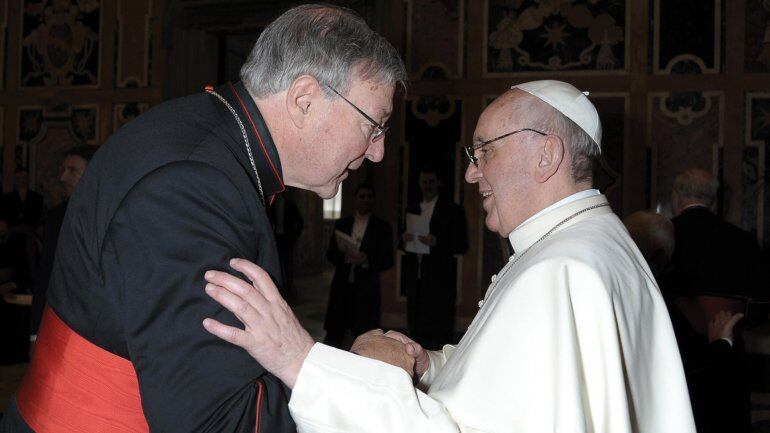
(569, 199)
(539, 224)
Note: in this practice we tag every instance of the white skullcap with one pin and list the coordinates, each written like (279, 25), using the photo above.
(570, 101)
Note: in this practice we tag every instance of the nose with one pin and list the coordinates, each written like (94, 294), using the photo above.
(376, 150)
(472, 174)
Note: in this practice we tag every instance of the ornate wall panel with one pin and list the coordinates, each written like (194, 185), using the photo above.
(524, 36)
(608, 177)
(60, 43)
(685, 130)
(687, 36)
(124, 113)
(756, 197)
(45, 134)
(435, 38)
(133, 43)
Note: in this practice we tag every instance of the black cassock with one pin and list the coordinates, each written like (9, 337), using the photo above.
(171, 195)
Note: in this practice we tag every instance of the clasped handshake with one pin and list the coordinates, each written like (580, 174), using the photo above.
(274, 337)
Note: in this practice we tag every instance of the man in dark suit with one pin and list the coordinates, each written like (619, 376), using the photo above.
(354, 299)
(711, 255)
(714, 364)
(182, 189)
(431, 279)
(72, 168)
(21, 208)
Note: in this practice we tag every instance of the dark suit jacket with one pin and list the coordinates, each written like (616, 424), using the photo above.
(715, 256)
(169, 196)
(51, 226)
(716, 378)
(357, 306)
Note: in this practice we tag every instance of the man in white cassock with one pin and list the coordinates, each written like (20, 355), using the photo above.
(572, 334)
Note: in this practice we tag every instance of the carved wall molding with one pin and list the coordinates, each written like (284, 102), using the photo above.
(133, 43)
(694, 48)
(435, 38)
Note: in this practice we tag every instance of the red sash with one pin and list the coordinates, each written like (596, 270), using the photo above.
(75, 386)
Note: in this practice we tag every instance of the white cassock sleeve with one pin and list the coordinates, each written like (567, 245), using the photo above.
(338, 391)
(553, 349)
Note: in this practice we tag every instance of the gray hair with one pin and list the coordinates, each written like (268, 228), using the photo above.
(327, 42)
(584, 152)
(697, 185)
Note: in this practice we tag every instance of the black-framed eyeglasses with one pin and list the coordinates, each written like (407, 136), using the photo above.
(471, 150)
(378, 130)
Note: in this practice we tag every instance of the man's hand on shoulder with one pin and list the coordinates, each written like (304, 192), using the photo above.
(272, 335)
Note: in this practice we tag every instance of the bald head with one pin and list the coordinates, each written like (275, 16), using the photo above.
(694, 187)
(654, 235)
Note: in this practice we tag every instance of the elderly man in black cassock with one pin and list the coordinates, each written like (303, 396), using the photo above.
(183, 189)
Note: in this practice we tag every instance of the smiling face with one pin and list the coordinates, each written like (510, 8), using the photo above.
(338, 137)
(505, 173)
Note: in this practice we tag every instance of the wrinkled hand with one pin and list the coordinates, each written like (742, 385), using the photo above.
(721, 326)
(272, 335)
(413, 349)
(374, 344)
(428, 240)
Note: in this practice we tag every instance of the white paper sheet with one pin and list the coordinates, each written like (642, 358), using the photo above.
(417, 225)
(345, 242)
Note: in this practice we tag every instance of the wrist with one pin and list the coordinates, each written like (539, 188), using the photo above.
(288, 375)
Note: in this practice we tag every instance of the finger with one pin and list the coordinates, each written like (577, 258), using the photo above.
(231, 283)
(258, 277)
(377, 331)
(734, 320)
(228, 333)
(243, 310)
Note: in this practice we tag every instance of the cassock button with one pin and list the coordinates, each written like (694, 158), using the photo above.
(494, 278)
(481, 303)
(510, 259)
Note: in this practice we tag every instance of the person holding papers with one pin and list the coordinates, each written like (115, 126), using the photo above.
(360, 248)
(435, 232)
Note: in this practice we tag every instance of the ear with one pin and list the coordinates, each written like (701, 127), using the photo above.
(302, 99)
(550, 158)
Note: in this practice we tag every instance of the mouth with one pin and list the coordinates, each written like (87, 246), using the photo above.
(485, 194)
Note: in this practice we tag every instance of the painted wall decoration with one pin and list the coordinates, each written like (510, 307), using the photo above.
(435, 38)
(757, 40)
(687, 36)
(60, 43)
(44, 134)
(133, 43)
(685, 130)
(124, 113)
(554, 36)
(755, 194)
